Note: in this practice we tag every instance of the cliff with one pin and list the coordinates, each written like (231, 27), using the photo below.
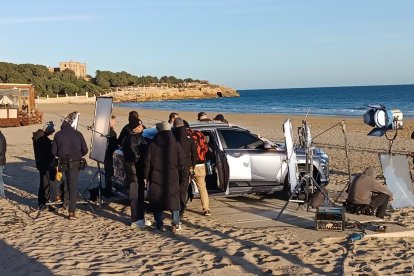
(171, 92)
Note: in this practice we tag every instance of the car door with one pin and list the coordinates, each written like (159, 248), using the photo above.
(238, 158)
(266, 166)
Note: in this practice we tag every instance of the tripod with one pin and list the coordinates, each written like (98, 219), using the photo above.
(64, 188)
(98, 174)
(308, 181)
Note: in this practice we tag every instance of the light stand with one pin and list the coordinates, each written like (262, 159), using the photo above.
(61, 203)
(98, 174)
(307, 181)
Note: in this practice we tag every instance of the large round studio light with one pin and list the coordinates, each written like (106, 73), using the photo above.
(381, 118)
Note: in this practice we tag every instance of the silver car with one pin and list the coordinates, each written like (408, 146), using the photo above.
(241, 162)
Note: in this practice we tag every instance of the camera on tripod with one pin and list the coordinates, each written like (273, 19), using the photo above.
(383, 119)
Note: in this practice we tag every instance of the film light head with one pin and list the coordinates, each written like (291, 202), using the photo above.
(383, 119)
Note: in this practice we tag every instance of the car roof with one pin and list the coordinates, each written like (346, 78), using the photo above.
(208, 124)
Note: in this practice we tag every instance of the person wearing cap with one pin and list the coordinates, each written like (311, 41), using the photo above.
(134, 147)
(190, 159)
(69, 147)
(3, 148)
(202, 117)
(164, 164)
(42, 146)
(132, 116)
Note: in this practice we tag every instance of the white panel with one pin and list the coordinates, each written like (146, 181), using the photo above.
(398, 179)
(291, 154)
(103, 112)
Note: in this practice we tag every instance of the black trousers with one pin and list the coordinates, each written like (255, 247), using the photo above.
(379, 203)
(135, 178)
(185, 182)
(72, 175)
(43, 194)
(109, 172)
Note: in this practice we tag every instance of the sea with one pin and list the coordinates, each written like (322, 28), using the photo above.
(323, 101)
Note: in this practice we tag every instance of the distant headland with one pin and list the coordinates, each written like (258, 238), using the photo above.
(56, 84)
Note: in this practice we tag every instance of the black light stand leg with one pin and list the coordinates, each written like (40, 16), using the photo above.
(295, 192)
(325, 195)
(90, 183)
(99, 172)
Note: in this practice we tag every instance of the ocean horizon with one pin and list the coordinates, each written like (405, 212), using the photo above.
(348, 101)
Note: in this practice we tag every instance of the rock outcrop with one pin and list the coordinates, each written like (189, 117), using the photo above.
(171, 92)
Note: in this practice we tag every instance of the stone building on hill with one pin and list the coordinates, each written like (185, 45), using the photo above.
(75, 66)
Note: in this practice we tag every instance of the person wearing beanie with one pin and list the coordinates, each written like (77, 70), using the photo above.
(133, 117)
(44, 158)
(134, 147)
(190, 159)
(164, 165)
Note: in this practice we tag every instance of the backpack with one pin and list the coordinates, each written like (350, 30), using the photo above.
(201, 144)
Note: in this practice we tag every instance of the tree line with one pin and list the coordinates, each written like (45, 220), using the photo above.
(65, 82)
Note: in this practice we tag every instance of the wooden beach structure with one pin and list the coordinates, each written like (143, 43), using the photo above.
(17, 105)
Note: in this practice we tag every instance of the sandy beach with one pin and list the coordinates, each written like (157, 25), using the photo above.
(102, 243)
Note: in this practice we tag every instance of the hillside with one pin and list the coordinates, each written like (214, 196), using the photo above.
(121, 85)
(172, 92)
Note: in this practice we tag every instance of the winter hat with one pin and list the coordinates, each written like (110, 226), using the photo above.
(178, 122)
(49, 127)
(134, 122)
(163, 126)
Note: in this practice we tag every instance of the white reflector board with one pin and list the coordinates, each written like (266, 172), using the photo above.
(291, 154)
(398, 179)
(103, 112)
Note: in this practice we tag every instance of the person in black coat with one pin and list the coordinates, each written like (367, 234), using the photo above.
(3, 149)
(69, 147)
(42, 146)
(164, 165)
(132, 116)
(190, 159)
(109, 159)
(134, 147)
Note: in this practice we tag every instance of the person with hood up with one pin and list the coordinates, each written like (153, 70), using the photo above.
(135, 147)
(164, 165)
(42, 146)
(366, 190)
(69, 147)
(190, 159)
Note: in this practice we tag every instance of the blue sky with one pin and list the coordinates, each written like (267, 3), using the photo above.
(239, 43)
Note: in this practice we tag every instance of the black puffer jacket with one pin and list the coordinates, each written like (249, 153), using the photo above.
(188, 145)
(134, 147)
(3, 149)
(164, 170)
(42, 146)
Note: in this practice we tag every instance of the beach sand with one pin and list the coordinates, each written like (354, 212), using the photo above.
(103, 243)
